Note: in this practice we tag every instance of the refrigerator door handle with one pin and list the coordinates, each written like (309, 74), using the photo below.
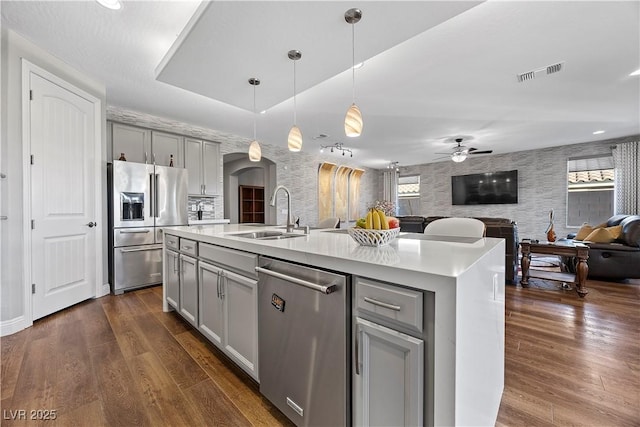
(151, 196)
(155, 195)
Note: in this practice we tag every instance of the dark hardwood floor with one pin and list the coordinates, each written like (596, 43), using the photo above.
(119, 360)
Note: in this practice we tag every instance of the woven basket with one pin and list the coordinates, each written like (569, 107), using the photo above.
(368, 237)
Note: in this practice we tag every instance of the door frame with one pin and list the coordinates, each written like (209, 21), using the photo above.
(27, 69)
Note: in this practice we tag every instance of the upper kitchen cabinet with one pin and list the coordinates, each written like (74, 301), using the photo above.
(202, 160)
(142, 145)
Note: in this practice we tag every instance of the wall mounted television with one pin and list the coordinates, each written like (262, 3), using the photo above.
(485, 188)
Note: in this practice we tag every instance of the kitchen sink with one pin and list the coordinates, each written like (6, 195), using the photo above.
(267, 235)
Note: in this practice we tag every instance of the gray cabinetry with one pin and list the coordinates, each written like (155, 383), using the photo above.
(132, 141)
(172, 278)
(389, 347)
(189, 289)
(229, 303)
(142, 145)
(202, 160)
(388, 384)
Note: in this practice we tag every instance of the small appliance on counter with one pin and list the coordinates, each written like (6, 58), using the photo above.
(142, 198)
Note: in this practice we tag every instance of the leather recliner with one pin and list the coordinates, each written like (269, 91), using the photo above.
(617, 260)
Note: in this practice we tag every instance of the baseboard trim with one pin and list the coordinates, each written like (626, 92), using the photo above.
(11, 326)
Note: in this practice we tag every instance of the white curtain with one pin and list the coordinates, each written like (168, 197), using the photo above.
(390, 186)
(626, 160)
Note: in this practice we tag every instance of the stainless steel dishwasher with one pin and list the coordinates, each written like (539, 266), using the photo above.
(303, 324)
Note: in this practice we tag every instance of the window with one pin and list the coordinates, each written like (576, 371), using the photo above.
(409, 195)
(590, 194)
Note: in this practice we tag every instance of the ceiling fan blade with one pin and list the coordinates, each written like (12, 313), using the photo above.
(480, 152)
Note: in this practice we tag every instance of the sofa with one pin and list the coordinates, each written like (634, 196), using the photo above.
(619, 259)
(495, 227)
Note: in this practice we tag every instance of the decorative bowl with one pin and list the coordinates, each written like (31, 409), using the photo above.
(369, 237)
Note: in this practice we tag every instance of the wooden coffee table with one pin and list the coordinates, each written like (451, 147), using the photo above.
(560, 248)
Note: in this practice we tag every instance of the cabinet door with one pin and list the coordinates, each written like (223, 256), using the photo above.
(172, 279)
(193, 163)
(133, 141)
(189, 289)
(164, 145)
(240, 295)
(211, 168)
(388, 388)
(210, 307)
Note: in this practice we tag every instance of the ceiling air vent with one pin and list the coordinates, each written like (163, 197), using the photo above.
(549, 69)
(555, 68)
(529, 75)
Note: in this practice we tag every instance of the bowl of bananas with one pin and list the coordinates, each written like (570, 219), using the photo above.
(376, 229)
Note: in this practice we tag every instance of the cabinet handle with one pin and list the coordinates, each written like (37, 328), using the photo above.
(357, 355)
(222, 278)
(204, 188)
(382, 304)
(187, 248)
(145, 157)
(153, 156)
(176, 266)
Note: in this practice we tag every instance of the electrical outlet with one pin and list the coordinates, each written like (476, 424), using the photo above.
(194, 208)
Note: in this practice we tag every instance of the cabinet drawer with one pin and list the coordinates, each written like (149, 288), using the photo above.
(383, 301)
(238, 261)
(172, 242)
(188, 247)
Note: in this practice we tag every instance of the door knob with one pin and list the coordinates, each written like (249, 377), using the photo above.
(92, 224)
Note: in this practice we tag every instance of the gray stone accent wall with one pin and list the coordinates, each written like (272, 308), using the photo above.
(542, 185)
(296, 171)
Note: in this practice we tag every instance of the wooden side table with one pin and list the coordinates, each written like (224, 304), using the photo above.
(560, 248)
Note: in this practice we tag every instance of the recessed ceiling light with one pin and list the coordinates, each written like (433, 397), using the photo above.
(635, 73)
(110, 4)
(598, 132)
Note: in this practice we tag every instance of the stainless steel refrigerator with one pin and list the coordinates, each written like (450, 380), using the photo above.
(143, 198)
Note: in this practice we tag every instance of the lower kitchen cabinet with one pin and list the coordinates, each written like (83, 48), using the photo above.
(188, 302)
(228, 314)
(172, 278)
(388, 381)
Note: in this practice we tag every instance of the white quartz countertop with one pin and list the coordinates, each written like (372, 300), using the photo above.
(404, 261)
(208, 221)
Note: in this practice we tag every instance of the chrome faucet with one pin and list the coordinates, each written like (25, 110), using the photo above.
(272, 202)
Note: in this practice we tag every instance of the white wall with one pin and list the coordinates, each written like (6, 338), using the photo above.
(14, 47)
(542, 185)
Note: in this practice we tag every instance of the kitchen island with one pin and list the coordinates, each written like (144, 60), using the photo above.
(464, 279)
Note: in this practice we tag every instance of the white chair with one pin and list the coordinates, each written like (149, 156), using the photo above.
(459, 227)
(332, 222)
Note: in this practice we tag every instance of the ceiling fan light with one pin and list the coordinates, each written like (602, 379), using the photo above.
(353, 121)
(459, 156)
(255, 153)
(295, 139)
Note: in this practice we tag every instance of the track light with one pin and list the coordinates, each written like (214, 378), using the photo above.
(338, 146)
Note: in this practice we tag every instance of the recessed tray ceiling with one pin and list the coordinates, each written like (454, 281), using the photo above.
(218, 51)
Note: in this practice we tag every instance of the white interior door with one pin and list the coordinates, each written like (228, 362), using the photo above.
(63, 197)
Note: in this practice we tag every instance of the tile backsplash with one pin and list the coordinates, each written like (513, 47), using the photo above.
(208, 205)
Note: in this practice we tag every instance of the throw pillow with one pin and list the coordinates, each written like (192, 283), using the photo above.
(616, 231)
(600, 235)
(584, 231)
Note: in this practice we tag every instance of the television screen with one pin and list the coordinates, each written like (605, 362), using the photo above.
(485, 188)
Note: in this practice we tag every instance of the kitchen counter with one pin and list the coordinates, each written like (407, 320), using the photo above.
(208, 221)
(466, 277)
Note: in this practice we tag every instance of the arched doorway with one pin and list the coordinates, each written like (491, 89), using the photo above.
(239, 170)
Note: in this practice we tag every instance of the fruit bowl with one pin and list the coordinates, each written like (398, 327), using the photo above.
(370, 237)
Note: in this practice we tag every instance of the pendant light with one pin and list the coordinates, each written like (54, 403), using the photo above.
(295, 136)
(353, 119)
(255, 153)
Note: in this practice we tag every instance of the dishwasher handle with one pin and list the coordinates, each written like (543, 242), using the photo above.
(320, 288)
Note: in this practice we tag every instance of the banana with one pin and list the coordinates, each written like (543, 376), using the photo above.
(368, 222)
(376, 220)
(383, 220)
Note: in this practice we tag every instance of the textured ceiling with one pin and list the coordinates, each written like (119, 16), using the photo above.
(433, 70)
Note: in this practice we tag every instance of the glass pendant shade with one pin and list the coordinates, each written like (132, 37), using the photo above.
(295, 139)
(459, 156)
(255, 153)
(353, 121)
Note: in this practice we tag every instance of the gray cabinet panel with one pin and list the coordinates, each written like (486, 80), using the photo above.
(202, 160)
(389, 381)
(172, 280)
(165, 145)
(189, 289)
(210, 304)
(133, 141)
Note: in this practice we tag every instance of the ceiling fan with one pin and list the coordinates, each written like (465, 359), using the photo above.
(460, 152)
